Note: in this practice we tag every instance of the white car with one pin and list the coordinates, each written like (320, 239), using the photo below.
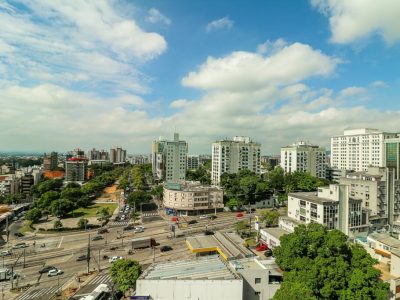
(139, 229)
(203, 217)
(114, 258)
(54, 272)
(5, 253)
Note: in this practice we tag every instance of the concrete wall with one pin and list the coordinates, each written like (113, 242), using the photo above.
(263, 288)
(395, 265)
(191, 289)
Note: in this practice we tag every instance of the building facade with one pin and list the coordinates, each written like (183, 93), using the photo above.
(76, 169)
(193, 162)
(169, 159)
(359, 149)
(50, 162)
(392, 155)
(192, 198)
(331, 206)
(98, 155)
(304, 157)
(232, 156)
(117, 155)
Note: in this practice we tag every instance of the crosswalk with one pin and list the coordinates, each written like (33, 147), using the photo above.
(101, 279)
(118, 223)
(44, 293)
(150, 214)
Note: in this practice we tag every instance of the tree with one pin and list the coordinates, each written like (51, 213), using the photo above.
(135, 216)
(62, 207)
(270, 217)
(158, 192)
(48, 185)
(276, 178)
(234, 202)
(242, 225)
(321, 264)
(72, 185)
(33, 215)
(46, 199)
(104, 213)
(57, 225)
(136, 198)
(13, 198)
(124, 273)
(72, 194)
(82, 223)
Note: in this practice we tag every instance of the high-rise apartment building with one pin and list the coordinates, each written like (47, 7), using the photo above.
(117, 155)
(169, 159)
(359, 149)
(193, 162)
(50, 162)
(98, 154)
(231, 156)
(304, 157)
(76, 169)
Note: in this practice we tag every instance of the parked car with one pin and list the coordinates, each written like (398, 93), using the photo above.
(165, 248)
(139, 229)
(82, 257)
(212, 217)
(268, 253)
(192, 222)
(5, 253)
(46, 269)
(239, 215)
(97, 238)
(209, 232)
(20, 245)
(18, 234)
(54, 272)
(102, 230)
(203, 217)
(261, 247)
(114, 259)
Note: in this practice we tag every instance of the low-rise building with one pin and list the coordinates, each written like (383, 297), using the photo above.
(382, 244)
(208, 278)
(271, 236)
(192, 198)
(9, 184)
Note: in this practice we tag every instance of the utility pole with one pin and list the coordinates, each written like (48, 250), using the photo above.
(24, 258)
(98, 262)
(88, 254)
(7, 233)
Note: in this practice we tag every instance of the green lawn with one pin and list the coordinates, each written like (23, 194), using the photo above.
(93, 209)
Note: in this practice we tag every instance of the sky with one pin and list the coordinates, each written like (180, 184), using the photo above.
(123, 73)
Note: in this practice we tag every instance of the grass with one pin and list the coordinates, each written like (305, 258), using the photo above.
(91, 210)
(27, 227)
(251, 242)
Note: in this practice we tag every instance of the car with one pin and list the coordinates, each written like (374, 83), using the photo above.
(165, 248)
(5, 253)
(46, 269)
(82, 257)
(139, 229)
(203, 217)
(123, 218)
(97, 238)
(128, 227)
(192, 222)
(261, 247)
(20, 245)
(114, 259)
(54, 272)
(268, 253)
(212, 217)
(208, 232)
(15, 219)
(102, 230)
(239, 215)
(18, 234)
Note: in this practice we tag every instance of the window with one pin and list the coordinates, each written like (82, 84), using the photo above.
(257, 293)
(257, 280)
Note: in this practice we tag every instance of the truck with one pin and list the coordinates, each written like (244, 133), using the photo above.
(178, 233)
(143, 242)
(5, 274)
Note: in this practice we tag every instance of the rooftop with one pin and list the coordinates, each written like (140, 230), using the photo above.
(228, 244)
(386, 239)
(312, 197)
(205, 268)
(275, 231)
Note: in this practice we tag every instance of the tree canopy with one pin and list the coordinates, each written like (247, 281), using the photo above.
(124, 273)
(321, 264)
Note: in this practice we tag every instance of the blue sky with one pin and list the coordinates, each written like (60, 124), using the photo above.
(104, 73)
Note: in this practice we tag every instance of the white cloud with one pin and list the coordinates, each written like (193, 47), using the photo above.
(246, 70)
(352, 91)
(93, 41)
(355, 20)
(223, 23)
(179, 103)
(379, 84)
(271, 46)
(155, 16)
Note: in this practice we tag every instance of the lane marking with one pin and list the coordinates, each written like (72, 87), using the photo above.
(59, 245)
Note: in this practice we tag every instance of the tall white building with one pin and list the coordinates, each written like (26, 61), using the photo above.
(304, 157)
(359, 149)
(231, 156)
(169, 159)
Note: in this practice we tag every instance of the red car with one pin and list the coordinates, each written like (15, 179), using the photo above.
(261, 247)
(174, 219)
(239, 215)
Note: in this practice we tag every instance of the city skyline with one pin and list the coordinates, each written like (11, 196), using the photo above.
(124, 73)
